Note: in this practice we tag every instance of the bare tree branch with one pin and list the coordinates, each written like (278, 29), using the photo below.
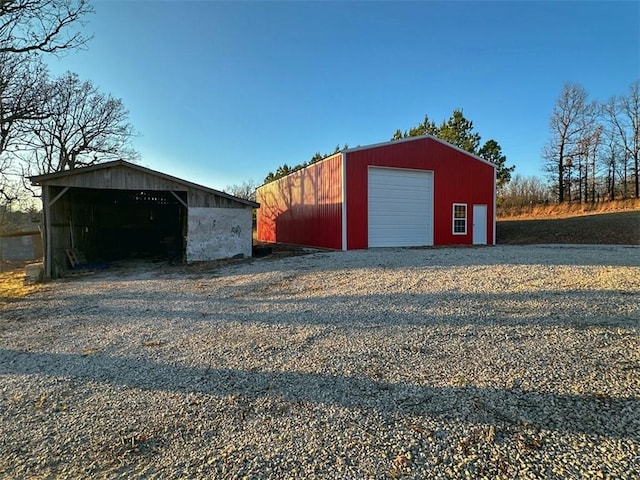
(246, 190)
(41, 25)
(23, 92)
(84, 127)
(622, 114)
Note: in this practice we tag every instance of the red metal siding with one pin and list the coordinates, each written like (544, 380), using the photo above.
(304, 208)
(457, 178)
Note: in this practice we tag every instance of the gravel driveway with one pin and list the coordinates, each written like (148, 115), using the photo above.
(509, 361)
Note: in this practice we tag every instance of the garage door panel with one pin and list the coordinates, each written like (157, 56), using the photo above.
(400, 207)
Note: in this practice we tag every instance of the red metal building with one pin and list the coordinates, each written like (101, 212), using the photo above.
(412, 192)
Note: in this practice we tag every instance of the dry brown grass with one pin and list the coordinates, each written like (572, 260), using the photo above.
(565, 210)
(12, 285)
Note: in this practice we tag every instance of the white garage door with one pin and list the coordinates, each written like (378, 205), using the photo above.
(400, 207)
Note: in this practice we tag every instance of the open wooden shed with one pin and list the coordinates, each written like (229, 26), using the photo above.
(119, 210)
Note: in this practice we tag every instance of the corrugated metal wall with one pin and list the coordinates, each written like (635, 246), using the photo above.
(304, 208)
(458, 178)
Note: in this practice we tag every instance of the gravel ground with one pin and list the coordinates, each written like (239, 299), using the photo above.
(495, 362)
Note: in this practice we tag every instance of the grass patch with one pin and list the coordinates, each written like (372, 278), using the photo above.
(12, 286)
(621, 228)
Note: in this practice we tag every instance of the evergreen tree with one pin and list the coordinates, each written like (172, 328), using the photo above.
(492, 152)
(458, 131)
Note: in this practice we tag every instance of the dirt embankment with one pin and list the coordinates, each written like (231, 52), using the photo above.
(619, 228)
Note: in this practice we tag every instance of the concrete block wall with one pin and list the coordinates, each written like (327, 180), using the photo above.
(215, 233)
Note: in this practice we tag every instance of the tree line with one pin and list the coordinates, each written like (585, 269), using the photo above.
(456, 130)
(593, 149)
(51, 124)
(284, 169)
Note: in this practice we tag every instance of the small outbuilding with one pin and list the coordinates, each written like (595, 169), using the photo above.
(419, 191)
(119, 210)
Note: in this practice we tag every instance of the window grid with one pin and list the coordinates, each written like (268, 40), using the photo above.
(459, 218)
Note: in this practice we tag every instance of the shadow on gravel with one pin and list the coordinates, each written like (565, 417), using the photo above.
(566, 309)
(593, 415)
(382, 258)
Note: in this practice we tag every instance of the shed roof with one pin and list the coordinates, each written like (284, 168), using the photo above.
(65, 178)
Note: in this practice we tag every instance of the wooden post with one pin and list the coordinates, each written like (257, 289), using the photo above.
(46, 212)
(46, 209)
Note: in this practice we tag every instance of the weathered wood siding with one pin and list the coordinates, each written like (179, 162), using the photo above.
(123, 178)
(198, 198)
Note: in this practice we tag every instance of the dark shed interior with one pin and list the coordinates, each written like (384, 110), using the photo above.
(104, 225)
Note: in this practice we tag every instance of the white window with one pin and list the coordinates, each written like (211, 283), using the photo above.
(459, 218)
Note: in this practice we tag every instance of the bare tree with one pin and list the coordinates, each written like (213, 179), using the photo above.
(609, 160)
(567, 126)
(246, 190)
(623, 117)
(23, 92)
(587, 151)
(82, 127)
(8, 193)
(524, 191)
(593, 153)
(41, 25)
(29, 28)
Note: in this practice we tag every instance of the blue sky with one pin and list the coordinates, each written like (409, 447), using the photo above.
(223, 92)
